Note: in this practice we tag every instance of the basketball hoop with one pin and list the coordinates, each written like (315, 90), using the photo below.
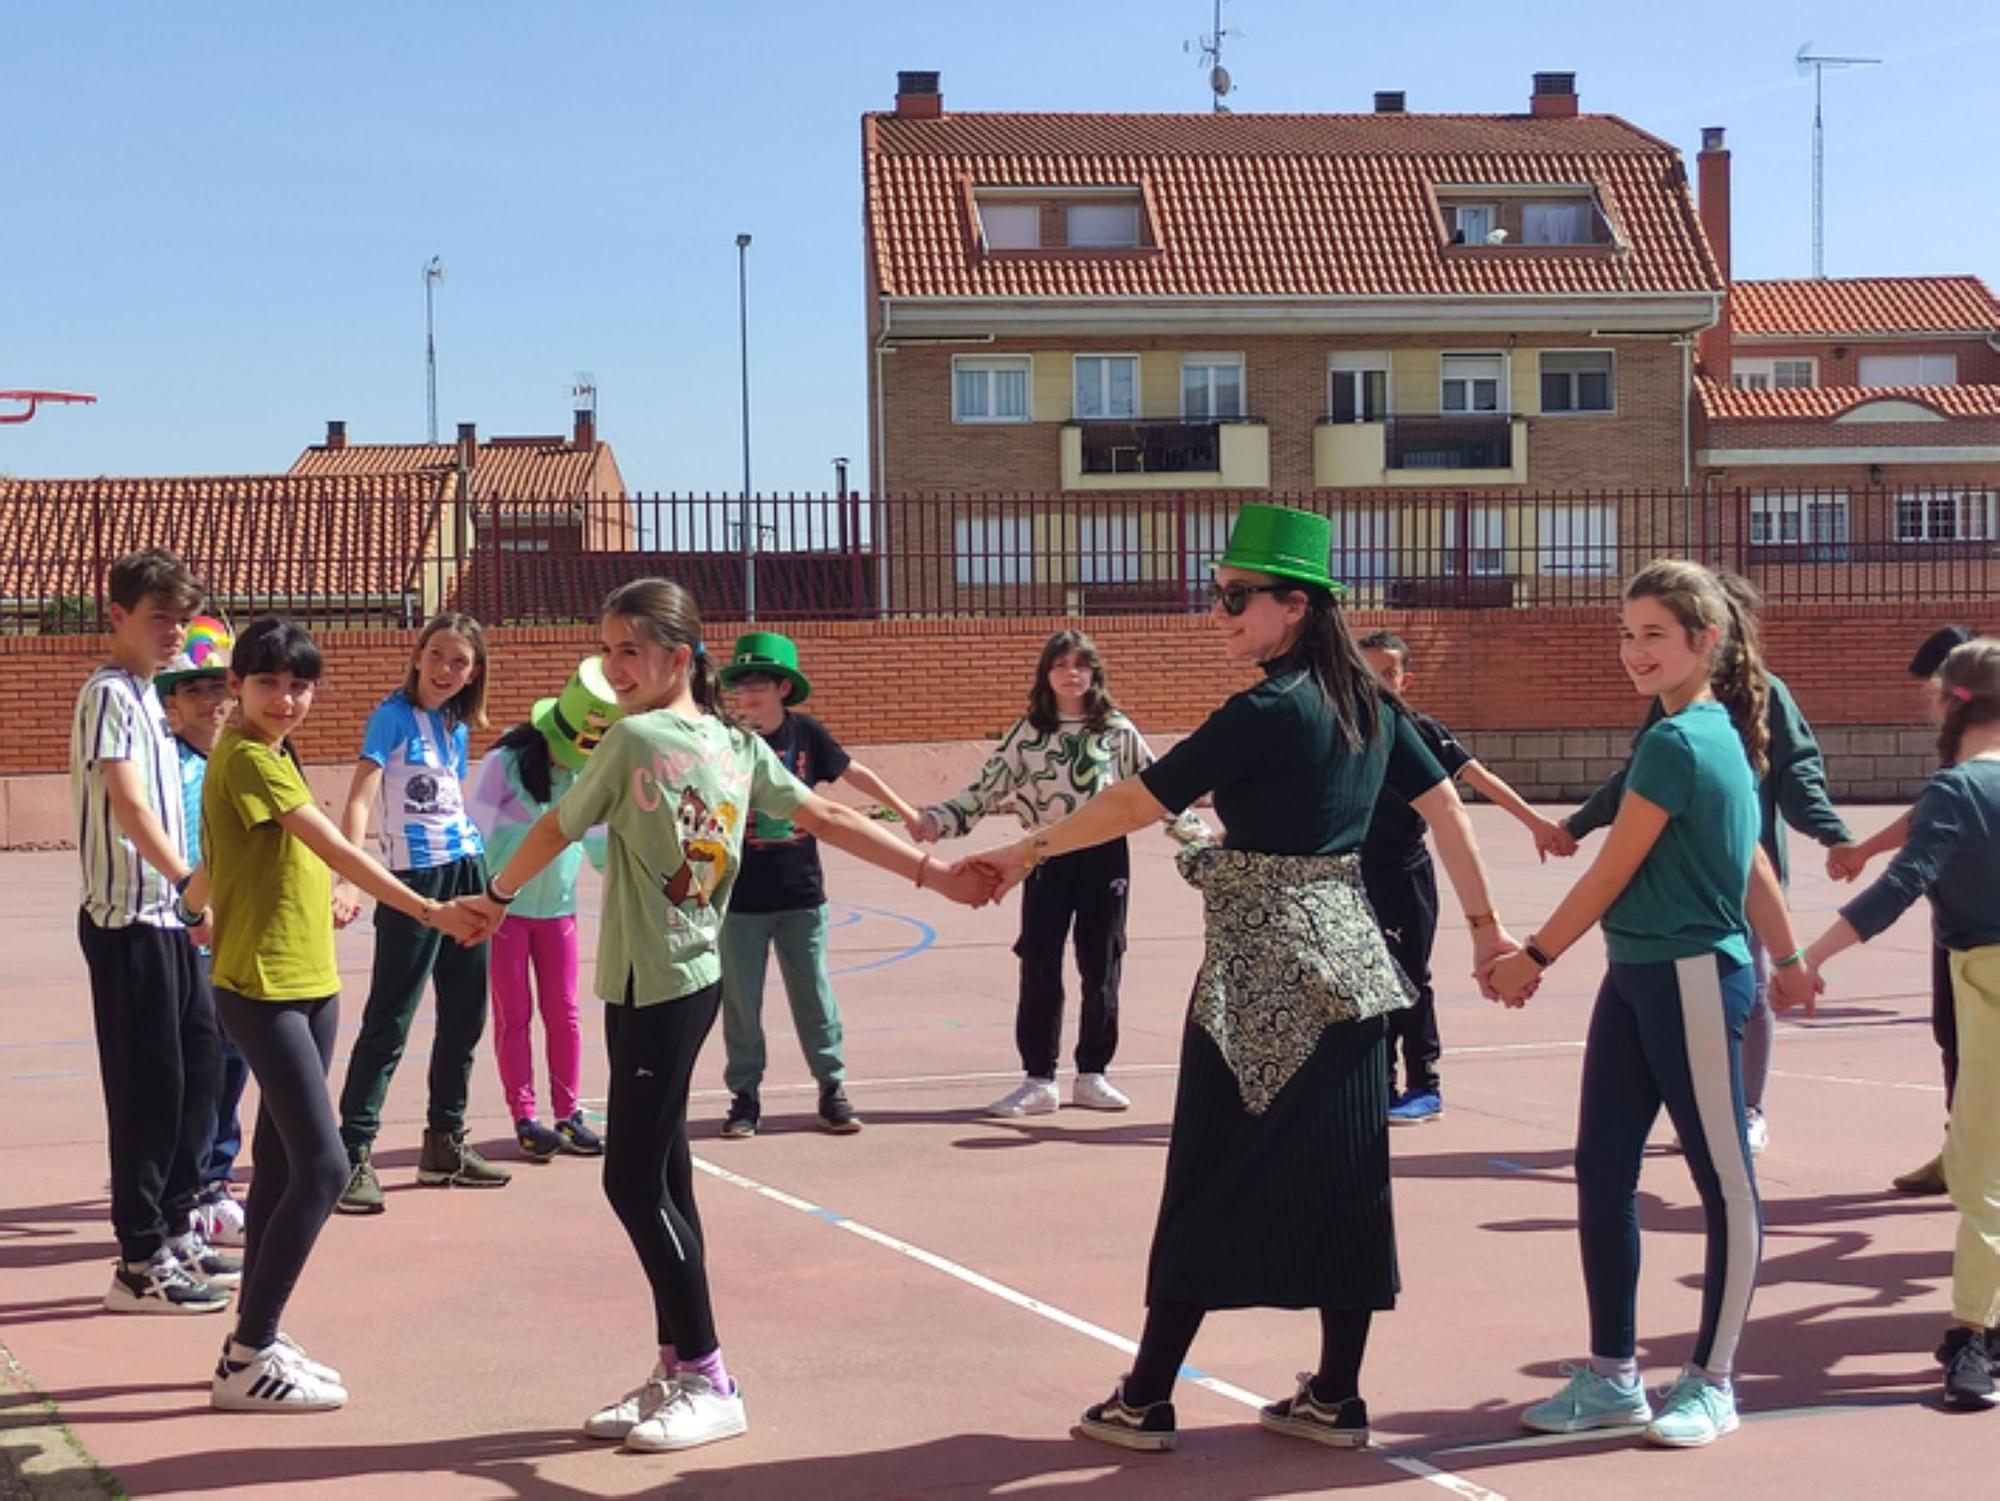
(35, 398)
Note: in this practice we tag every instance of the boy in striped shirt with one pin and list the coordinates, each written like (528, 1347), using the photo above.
(158, 1051)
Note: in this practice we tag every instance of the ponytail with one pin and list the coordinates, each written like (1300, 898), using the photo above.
(1699, 600)
(1970, 684)
(667, 612)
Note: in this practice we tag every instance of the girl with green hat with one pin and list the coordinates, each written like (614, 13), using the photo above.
(1277, 1188)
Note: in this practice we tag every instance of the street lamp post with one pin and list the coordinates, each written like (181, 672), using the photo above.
(433, 274)
(743, 341)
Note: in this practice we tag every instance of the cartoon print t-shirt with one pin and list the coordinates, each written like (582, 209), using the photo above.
(675, 795)
(422, 807)
(781, 869)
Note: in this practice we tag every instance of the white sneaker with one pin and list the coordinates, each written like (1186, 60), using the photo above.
(696, 1414)
(1758, 1130)
(221, 1221)
(203, 1262)
(1034, 1097)
(272, 1380)
(1094, 1092)
(317, 1369)
(161, 1285)
(632, 1409)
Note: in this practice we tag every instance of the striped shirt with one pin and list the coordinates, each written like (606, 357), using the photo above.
(421, 811)
(119, 718)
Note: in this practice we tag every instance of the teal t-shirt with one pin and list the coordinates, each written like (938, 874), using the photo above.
(675, 795)
(1687, 897)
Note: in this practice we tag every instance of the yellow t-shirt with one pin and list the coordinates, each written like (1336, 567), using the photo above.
(272, 896)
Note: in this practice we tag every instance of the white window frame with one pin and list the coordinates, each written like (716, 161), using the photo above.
(1579, 202)
(1207, 540)
(1133, 205)
(1541, 374)
(1211, 363)
(1932, 370)
(1457, 230)
(1486, 541)
(1762, 374)
(1108, 547)
(1104, 387)
(989, 365)
(1593, 554)
(1031, 209)
(1350, 363)
(1974, 500)
(1502, 403)
(1004, 554)
(1774, 508)
(1367, 545)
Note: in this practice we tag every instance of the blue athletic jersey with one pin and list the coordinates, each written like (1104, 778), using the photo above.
(422, 753)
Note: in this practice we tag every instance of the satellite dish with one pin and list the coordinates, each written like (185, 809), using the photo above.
(1218, 80)
(1496, 237)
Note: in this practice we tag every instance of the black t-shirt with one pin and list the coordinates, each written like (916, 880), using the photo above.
(781, 870)
(1284, 780)
(1396, 836)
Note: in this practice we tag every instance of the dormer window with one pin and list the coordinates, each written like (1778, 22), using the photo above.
(1010, 226)
(1470, 223)
(1104, 226)
(1560, 223)
(1052, 218)
(1517, 214)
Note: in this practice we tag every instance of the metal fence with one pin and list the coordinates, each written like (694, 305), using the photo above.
(794, 557)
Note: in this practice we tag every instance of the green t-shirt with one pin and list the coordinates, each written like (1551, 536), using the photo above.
(1687, 897)
(675, 795)
(272, 896)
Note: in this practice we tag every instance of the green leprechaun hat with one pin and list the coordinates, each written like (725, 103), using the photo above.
(768, 654)
(204, 653)
(1284, 543)
(574, 722)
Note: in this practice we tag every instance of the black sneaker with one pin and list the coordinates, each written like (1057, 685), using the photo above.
(1968, 1369)
(577, 1138)
(1115, 1421)
(536, 1141)
(836, 1112)
(744, 1113)
(1338, 1425)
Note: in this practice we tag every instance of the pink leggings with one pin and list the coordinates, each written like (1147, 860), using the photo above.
(548, 945)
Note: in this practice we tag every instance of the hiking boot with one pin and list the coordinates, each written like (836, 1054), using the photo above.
(1928, 1179)
(536, 1141)
(1968, 1369)
(363, 1194)
(577, 1138)
(836, 1113)
(744, 1114)
(1116, 1421)
(1338, 1425)
(447, 1162)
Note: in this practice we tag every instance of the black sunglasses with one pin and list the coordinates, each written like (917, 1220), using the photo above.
(1235, 598)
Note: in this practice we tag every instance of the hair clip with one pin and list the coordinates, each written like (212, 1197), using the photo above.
(1960, 692)
(700, 650)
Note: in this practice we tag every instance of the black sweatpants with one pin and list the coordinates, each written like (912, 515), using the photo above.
(300, 1164)
(159, 1057)
(1944, 1017)
(648, 1169)
(1405, 899)
(1090, 886)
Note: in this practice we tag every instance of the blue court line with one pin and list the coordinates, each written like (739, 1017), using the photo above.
(1512, 1167)
(926, 937)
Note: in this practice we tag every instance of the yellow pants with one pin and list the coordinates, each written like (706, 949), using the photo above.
(1972, 1148)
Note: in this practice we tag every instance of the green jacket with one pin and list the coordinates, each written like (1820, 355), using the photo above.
(1795, 785)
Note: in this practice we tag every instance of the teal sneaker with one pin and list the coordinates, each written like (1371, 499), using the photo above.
(1693, 1411)
(1588, 1402)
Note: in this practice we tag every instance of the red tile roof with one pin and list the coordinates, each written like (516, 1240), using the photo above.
(514, 469)
(1724, 402)
(1275, 205)
(254, 540)
(1863, 305)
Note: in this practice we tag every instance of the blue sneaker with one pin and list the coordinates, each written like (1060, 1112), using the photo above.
(1416, 1108)
(1693, 1411)
(1588, 1402)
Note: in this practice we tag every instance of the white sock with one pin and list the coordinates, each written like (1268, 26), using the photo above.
(1717, 1379)
(240, 1353)
(1625, 1372)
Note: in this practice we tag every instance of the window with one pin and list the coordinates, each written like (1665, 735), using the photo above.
(1107, 385)
(1794, 519)
(1579, 382)
(990, 388)
(1563, 223)
(1470, 223)
(1357, 387)
(1799, 374)
(1485, 544)
(993, 550)
(1207, 534)
(1577, 541)
(1472, 382)
(1109, 549)
(1909, 370)
(1104, 226)
(1211, 386)
(1944, 515)
(1364, 546)
(1010, 226)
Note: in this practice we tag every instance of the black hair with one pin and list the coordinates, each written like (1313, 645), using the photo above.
(532, 758)
(1387, 641)
(277, 643)
(1938, 645)
(1098, 704)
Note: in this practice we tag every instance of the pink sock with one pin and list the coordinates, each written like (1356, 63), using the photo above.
(670, 1360)
(711, 1367)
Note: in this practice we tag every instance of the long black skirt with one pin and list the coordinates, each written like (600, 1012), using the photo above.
(1289, 1209)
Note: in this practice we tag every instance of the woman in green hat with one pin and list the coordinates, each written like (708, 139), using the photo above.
(1277, 1185)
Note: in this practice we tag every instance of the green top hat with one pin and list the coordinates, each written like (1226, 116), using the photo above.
(1284, 543)
(204, 653)
(576, 721)
(771, 655)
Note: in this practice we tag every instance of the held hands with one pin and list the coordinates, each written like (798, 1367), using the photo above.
(969, 882)
(1510, 978)
(1797, 985)
(924, 829)
(346, 903)
(458, 920)
(1006, 866)
(1551, 838)
(1845, 862)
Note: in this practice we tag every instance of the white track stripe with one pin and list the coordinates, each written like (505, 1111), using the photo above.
(1456, 1484)
(1705, 1030)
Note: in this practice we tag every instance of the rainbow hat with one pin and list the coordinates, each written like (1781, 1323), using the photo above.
(205, 653)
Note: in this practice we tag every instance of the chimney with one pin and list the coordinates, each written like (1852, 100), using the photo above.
(1712, 176)
(584, 437)
(336, 434)
(1554, 97)
(917, 96)
(468, 444)
(1389, 102)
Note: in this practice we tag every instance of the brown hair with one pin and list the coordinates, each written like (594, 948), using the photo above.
(153, 573)
(468, 705)
(1970, 683)
(670, 616)
(1098, 704)
(1697, 599)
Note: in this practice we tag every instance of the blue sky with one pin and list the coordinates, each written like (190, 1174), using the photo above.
(216, 214)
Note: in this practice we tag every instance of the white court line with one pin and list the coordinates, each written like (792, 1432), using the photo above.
(1458, 1485)
(1785, 1073)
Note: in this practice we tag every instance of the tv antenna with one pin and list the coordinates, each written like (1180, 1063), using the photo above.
(584, 392)
(35, 399)
(433, 274)
(1819, 62)
(1209, 49)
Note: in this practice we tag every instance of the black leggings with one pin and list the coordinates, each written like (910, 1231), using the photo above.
(1171, 1328)
(648, 1169)
(298, 1163)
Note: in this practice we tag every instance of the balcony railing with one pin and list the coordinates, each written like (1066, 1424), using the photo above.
(1468, 440)
(1152, 447)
